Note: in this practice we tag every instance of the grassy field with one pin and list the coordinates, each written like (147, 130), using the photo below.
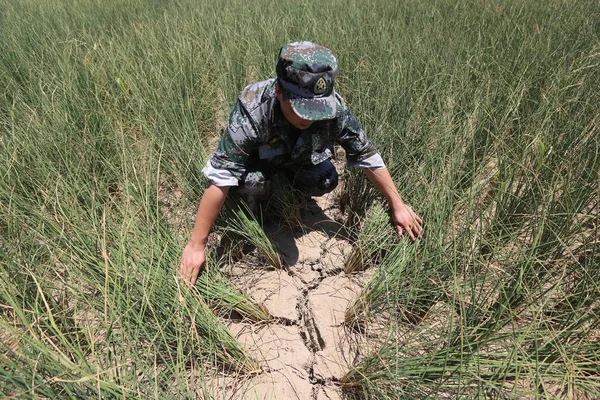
(487, 114)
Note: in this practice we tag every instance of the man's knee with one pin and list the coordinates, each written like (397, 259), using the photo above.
(326, 183)
(253, 186)
(316, 180)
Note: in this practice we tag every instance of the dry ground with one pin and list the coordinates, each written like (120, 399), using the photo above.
(306, 349)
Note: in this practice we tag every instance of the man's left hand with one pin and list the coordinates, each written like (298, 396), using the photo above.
(407, 222)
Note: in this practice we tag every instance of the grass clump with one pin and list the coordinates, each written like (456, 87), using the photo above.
(356, 198)
(373, 239)
(241, 223)
(224, 299)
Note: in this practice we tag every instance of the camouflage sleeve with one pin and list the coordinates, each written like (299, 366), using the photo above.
(360, 152)
(228, 163)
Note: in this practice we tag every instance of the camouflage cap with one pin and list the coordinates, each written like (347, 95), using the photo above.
(306, 72)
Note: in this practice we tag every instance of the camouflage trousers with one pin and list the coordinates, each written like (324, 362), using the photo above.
(258, 185)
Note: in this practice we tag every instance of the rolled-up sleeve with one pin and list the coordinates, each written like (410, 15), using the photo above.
(227, 165)
(360, 152)
(373, 162)
(218, 176)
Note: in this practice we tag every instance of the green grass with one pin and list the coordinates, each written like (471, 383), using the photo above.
(373, 238)
(224, 299)
(507, 181)
(485, 112)
(242, 225)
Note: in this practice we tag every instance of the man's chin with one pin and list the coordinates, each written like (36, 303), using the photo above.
(303, 126)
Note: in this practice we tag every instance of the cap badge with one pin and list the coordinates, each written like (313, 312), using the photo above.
(321, 86)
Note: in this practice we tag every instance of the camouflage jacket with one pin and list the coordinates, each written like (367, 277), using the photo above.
(259, 136)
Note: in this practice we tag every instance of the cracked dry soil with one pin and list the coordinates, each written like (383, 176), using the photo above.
(305, 349)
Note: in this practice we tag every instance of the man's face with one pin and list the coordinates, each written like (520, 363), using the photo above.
(289, 113)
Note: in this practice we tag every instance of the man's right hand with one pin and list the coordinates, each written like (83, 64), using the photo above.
(192, 261)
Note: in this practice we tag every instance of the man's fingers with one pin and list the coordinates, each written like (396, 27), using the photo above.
(410, 234)
(186, 275)
(194, 276)
(417, 230)
(409, 223)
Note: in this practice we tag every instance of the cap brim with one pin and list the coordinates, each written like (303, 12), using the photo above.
(314, 109)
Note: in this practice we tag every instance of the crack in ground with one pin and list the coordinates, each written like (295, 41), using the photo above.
(308, 277)
(308, 329)
(310, 334)
(284, 321)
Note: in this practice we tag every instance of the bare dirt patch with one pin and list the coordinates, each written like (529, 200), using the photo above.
(305, 349)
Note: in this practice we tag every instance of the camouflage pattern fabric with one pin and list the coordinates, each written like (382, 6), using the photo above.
(253, 188)
(314, 180)
(259, 137)
(257, 187)
(306, 72)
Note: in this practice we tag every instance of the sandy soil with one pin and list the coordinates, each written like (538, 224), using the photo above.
(306, 349)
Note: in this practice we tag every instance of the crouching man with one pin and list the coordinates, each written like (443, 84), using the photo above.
(288, 125)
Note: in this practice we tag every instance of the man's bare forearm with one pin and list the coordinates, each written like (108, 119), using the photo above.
(382, 180)
(208, 210)
(403, 217)
(194, 254)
